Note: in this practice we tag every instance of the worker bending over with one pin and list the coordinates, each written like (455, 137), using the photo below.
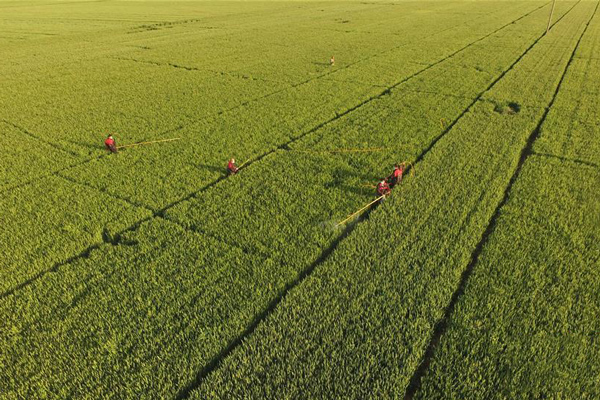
(383, 189)
(231, 167)
(396, 176)
(110, 144)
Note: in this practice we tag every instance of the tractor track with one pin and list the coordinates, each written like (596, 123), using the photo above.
(442, 325)
(566, 159)
(33, 136)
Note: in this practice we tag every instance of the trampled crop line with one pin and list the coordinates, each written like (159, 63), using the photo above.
(218, 359)
(187, 68)
(566, 159)
(96, 189)
(49, 143)
(442, 325)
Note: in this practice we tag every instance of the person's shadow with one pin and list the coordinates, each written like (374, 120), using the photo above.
(211, 168)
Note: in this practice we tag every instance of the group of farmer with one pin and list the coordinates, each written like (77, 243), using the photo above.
(384, 187)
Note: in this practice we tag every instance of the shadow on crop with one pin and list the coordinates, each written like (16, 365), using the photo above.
(211, 168)
(509, 108)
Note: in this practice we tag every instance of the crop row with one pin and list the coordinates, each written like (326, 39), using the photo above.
(158, 176)
(145, 317)
(527, 324)
(571, 129)
(359, 324)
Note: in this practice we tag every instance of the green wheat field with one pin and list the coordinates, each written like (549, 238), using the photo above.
(153, 274)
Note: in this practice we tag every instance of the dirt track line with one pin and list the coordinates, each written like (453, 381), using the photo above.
(47, 142)
(442, 325)
(566, 159)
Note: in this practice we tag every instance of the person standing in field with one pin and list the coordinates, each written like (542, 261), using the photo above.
(396, 176)
(332, 61)
(110, 144)
(231, 167)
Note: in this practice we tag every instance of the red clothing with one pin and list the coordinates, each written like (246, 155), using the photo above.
(383, 189)
(231, 167)
(110, 145)
(398, 172)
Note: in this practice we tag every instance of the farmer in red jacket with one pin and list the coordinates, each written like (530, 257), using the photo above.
(383, 189)
(396, 176)
(110, 144)
(231, 167)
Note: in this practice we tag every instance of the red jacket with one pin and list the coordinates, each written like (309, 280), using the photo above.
(231, 166)
(109, 142)
(383, 188)
(398, 172)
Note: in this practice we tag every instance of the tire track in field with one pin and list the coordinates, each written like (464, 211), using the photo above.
(566, 159)
(442, 325)
(259, 98)
(31, 135)
(217, 360)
